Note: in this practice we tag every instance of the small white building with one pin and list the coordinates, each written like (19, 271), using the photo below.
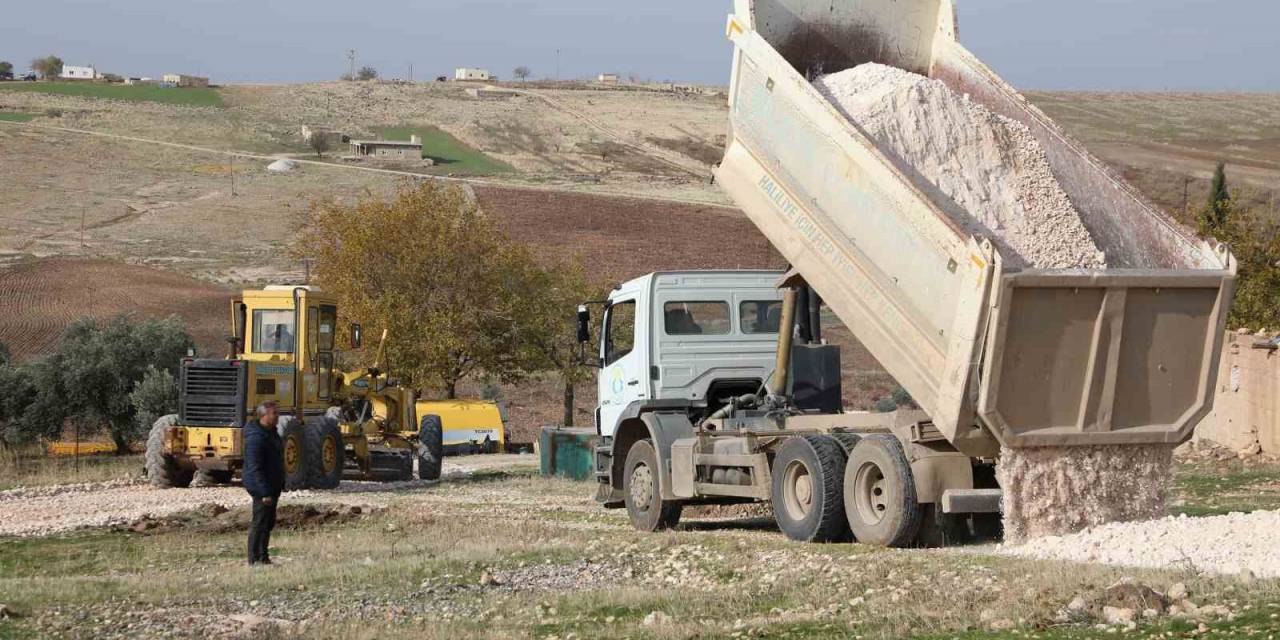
(607, 78)
(72, 72)
(184, 81)
(389, 149)
(467, 73)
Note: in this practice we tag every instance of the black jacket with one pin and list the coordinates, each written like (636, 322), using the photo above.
(263, 473)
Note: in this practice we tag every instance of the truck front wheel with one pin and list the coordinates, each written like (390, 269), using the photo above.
(808, 480)
(645, 506)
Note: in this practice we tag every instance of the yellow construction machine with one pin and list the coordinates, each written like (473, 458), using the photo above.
(361, 424)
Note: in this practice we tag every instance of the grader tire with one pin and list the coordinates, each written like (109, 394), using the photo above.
(163, 470)
(430, 447)
(325, 452)
(645, 506)
(880, 493)
(297, 458)
(808, 483)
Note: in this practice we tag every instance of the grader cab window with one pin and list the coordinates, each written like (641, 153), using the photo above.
(273, 331)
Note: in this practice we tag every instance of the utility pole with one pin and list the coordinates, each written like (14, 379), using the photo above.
(411, 72)
(231, 169)
(557, 65)
(351, 59)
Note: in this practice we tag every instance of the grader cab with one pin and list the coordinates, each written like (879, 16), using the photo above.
(333, 423)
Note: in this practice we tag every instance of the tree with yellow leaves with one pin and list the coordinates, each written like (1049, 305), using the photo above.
(457, 296)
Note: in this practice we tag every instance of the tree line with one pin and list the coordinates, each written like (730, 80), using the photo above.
(118, 376)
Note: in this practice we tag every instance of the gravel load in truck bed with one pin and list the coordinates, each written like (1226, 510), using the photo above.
(986, 172)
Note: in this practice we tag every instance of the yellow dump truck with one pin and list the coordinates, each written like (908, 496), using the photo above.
(360, 424)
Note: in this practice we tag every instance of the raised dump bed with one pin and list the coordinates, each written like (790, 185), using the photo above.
(1124, 355)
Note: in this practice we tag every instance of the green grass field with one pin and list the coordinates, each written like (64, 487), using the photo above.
(136, 93)
(450, 154)
(14, 116)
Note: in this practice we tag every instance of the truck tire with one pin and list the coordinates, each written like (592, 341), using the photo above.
(847, 441)
(808, 487)
(297, 471)
(643, 497)
(327, 452)
(430, 447)
(163, 470)
(880, 493)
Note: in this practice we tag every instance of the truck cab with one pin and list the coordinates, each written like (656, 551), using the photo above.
(685, 340)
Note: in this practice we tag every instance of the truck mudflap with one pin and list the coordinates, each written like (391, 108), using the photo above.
(1118, 357)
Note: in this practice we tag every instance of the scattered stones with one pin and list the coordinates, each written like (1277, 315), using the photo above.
(656, 618)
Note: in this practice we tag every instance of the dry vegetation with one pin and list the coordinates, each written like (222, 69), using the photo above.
(502, 554)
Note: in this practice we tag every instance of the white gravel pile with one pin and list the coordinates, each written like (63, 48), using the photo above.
(1057, 490)
(987, 172)
(1233, 544)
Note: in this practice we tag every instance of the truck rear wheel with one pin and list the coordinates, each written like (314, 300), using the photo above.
(808, 483)
(327, 452)
(163, 470)
(297, 474)
(880, 493)
(643, 496)
(430, 447)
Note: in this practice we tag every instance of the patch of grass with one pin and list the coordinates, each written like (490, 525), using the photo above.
(195, 97)
(1214, 489)
(450, 154)
(43, 470)
(14, 116)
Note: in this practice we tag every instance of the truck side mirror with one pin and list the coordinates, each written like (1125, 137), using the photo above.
(357, 336)
(584, 324)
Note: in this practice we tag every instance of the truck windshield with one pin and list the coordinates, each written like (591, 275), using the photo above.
(760, 316)
(273, 330)
(620, 331)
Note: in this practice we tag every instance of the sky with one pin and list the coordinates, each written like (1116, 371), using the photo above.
(1140, 45)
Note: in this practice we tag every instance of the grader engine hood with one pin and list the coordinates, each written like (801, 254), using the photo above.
(212, 393)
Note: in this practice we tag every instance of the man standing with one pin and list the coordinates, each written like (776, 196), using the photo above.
(263, 477)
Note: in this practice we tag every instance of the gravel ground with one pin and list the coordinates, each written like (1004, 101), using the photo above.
(1232, 544)
(40, 511)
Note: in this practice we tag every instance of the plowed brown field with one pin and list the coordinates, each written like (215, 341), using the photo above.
(38, 298)
(620, 238)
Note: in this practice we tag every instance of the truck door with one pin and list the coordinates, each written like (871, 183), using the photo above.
(623, 378)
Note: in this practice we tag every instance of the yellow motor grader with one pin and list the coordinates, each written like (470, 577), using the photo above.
(361, 425)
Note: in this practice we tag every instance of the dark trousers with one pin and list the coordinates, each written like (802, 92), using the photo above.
(264, 520)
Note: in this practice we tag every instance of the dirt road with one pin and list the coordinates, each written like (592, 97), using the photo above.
(41, 511)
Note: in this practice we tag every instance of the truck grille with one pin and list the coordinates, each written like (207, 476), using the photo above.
(212, 393)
